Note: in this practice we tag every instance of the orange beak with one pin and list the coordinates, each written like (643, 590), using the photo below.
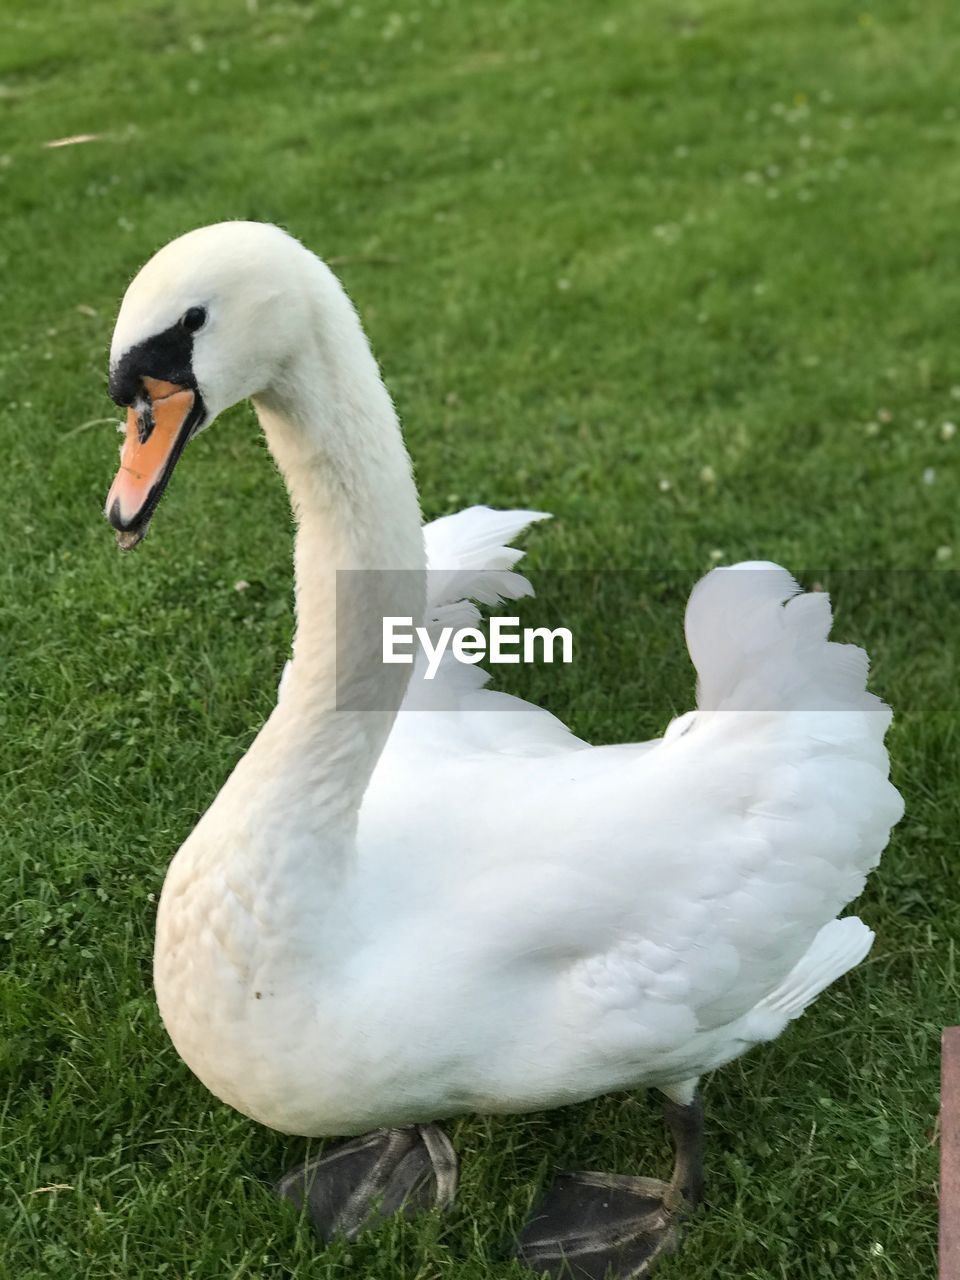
(159, 424)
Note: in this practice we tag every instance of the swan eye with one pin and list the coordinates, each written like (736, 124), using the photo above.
(193, 319)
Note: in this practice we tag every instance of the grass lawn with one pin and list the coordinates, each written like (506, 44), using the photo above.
(685, 273)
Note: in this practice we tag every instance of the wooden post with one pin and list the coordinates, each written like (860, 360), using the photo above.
(950, 1156)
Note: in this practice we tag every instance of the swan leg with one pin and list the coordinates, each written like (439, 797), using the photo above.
(605, 1226)
(358, 1183)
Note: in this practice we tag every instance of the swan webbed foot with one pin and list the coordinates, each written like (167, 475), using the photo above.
(605, 1226)
(359, 1183)
(596, 1226)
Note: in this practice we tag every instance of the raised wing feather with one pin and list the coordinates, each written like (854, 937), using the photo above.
(761, 813)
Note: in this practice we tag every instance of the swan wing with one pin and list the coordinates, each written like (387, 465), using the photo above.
(469, 559)
(673, 902)
(470, 563)
(759, 817)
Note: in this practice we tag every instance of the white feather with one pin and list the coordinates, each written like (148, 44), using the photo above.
(837, 948)
(386, 918)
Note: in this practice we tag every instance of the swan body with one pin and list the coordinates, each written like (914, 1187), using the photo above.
(413, 900)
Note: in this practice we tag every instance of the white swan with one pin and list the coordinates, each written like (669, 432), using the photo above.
(385, 920)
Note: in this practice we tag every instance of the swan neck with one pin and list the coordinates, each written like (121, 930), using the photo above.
(359, 555)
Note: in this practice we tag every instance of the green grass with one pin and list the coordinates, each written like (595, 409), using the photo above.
(686, 274)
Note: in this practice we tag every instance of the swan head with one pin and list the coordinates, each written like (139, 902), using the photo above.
(209, 321)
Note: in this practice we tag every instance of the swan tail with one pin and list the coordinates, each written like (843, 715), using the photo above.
(838, 947)
(470, 562)
(759, 643)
